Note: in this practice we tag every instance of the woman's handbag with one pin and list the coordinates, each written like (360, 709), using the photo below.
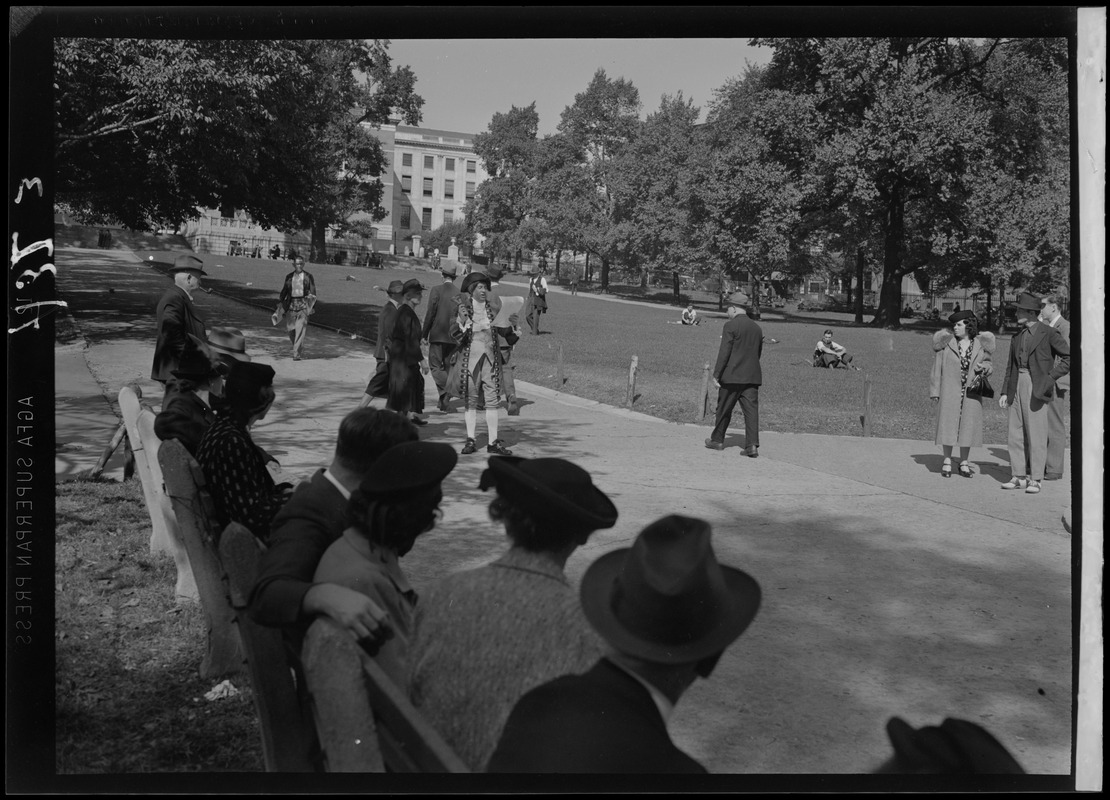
(981, 385)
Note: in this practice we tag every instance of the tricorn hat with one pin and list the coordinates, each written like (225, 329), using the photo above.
(550, 488)
(473, 278)
(196, 362)
(188, 263)
(739, 299)
(960, 316)
(666, 599)
(956, 746)
(228, 342)
(409, 467)
(1027, 302)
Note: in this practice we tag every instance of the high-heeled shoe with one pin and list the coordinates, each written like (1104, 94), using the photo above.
(965, 469)
(946, 468)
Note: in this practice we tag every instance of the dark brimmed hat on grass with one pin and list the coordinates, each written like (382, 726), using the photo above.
(475, 278)
(188, 263)
(550, 489)
(666, 599)
(408, 467)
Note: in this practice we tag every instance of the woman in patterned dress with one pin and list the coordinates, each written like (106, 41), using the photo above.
(960, 355)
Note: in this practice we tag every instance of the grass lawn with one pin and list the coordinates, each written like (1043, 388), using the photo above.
(129, 697)
(599, 338)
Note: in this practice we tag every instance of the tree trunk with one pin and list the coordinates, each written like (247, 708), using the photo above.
(890, 299)
(604, 274)
(589, 275)
(989, 321)
(558, 255)
(318, 249)
(859, 285)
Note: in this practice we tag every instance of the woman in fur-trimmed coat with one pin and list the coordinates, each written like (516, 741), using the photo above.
(959, 355)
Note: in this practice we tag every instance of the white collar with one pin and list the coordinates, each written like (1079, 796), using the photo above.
(342, 489)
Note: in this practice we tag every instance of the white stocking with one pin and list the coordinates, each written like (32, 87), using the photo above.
(470, 416)
(491, 423)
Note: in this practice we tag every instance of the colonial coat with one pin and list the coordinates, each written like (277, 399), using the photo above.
(176, 317)
(959, 415)
(459, 382)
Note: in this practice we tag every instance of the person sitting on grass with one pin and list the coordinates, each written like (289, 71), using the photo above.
(829, 354)
(690, 316)
(397, 502)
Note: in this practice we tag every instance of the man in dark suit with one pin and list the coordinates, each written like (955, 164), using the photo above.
(437, 329)
(176, 318)
(379, 381)
(667, 611)
(1039, 356)
(1057, 436)
(315, 516)
(738, 376)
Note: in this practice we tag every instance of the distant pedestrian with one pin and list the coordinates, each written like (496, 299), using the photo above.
(962, 355)
(378, 385)
(536, 304)
(574, 279)
(1039, 356)
(175, 318)
(738, 376)
(297, 302)
(436, 331)
(407, 364)
(1057, 435)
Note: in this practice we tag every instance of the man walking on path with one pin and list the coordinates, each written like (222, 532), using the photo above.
(436, 331)
(175, 318)
(297, 299)
(738, 376)
(1039, 356)
(537, 300)
(379, 381)
(1057, 436)
(507, 366)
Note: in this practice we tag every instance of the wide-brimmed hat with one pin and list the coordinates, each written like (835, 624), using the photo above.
(245, 379)
(228, 342)
(494, 272)
(1027, 302)
(188, 263)
(955, 747)
(450, 269)
(666, 599)
(394, 288)
(739, 299)
(197, 363)
(473, 278)
(412, 285)
(959, 316)
(550, 489)
(409, 467)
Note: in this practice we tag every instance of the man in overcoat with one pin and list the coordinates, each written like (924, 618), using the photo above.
(1039, 356)
(437, 329)
(175, 318)
(667, 611)
(1057, 436)
(738, 376)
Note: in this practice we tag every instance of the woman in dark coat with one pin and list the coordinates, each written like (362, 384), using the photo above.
(960, 355)
(407, 365)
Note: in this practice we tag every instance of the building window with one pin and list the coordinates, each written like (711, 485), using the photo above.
(406, 159)
(471, 167)
(450, 165)
(429, 162)
(406, 183)
(426, 219)
(406, 217)
(449, 189)
(448, 216)
(470, 190)
(427, 187)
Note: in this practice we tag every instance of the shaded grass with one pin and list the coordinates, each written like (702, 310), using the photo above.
(599, 338)
(129, 697)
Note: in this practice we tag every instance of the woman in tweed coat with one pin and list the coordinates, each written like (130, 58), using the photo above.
(486, 636)
(959, 354)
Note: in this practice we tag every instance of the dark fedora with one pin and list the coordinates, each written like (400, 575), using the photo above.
(959, 316)
(412, 285)
(956, 746)
(450, 269)
(473, 278)
(1027, 302)
(409, 467)
(245, 379)
(550, 488)
(739, 299)
(394, 288)
(666, 599)
(188, 263)
(196, 362)
(495, 272)
(228, 342)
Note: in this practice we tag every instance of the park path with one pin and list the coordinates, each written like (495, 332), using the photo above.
(886, 590)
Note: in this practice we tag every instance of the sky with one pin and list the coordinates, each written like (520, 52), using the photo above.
(464, 82)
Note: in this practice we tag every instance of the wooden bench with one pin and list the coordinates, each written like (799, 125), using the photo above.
(288, 734)
(365, 722)
(164, 535)
(192, 505)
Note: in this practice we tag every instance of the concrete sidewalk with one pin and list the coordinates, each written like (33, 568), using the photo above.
(887, 590)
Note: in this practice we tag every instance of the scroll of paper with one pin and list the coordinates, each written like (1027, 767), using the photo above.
(510, 307)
